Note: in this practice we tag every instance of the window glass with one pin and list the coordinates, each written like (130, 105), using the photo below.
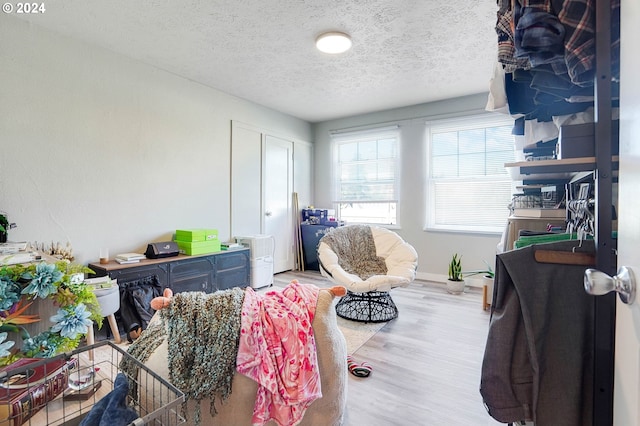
(366, 178)
(468, 186)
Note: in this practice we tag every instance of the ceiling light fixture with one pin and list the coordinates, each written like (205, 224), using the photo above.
(333, 42)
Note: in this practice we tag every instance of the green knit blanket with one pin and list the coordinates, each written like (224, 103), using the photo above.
(203, 334)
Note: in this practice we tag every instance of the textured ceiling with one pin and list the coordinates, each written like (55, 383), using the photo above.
(404, 52)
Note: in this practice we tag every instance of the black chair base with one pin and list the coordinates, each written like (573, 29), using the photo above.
(374, 306)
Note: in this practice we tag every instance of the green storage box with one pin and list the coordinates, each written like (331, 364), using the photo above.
(198, 247)
(200, 234)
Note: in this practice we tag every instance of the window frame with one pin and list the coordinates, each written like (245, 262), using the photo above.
(458, 124)
(356, 136)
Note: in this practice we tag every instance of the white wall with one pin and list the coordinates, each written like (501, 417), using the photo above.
(100, 150)
(434, 248)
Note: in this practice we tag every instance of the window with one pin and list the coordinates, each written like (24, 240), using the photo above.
(468, 187)
(366, 176)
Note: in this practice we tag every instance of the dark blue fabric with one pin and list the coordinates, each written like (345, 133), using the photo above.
(533, 103)
(539, 36)
(112, 409)
(545, 80)
(518, 127)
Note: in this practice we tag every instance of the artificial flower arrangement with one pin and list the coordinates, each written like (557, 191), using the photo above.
(61, 282)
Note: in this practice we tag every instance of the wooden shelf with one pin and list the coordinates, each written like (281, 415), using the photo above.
(553, 169)
(105, 268)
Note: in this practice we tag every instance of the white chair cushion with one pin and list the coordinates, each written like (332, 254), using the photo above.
(400, 257)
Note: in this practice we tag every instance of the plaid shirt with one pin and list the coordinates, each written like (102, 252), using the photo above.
(578, 19)
(506, 43)
(539, 36)
(578, 16)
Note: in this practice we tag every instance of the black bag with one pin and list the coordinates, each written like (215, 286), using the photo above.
(135, 304)
(163, 249)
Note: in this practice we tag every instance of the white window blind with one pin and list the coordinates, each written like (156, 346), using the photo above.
(468, 187)
(366, 176)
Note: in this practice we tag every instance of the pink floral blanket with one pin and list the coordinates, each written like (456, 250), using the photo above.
(277, 350)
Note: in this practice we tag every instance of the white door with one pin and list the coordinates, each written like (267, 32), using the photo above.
(278, 193)
(627, 356)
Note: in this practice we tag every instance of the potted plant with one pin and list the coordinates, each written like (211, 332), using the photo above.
(4, 227)
(455, 281)
(488, 276)
(486, 273)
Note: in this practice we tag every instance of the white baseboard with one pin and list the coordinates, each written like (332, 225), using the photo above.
(431, 277)
(439, 278)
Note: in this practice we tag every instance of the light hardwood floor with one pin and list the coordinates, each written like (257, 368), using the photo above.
(426, 363)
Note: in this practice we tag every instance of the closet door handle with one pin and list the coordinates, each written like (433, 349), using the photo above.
(598, 283)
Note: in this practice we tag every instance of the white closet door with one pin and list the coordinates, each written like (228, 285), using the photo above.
(278, 189)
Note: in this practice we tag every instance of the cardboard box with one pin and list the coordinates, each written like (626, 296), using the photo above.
(578, 140)
(198, 247)
(200, 234)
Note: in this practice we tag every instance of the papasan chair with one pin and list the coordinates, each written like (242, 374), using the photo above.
(369, 261)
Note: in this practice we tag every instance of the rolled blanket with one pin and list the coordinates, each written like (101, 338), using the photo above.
(112, 409)
(356, 250)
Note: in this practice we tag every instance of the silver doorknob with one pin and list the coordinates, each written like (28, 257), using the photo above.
(598, 283)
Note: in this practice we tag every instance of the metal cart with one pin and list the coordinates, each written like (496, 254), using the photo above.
(68, 395)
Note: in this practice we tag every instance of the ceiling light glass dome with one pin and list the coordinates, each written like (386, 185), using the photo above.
(333, 42)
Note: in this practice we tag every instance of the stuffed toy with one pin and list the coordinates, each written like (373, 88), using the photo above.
(163, 301)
